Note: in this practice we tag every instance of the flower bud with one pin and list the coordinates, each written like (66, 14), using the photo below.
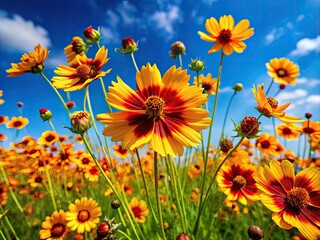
(308, 115)
(238, 87)
(128, 46)
(80, 122)
(226, 145)
(183, 236)
(92, 35)
(103, 229)
(115, 204)
(196, 65)
(20, 104)
(282, 86)
(45, 114)
(177, 49)
(249, 126)
(255, 232)
(78, 45)
(70, 105)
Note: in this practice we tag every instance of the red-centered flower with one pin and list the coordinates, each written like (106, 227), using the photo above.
(295, 200)
(81, 74)
(162, 111)
(238, 184)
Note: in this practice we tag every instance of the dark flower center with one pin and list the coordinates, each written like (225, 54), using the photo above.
(298, 198)
(154, 106)
(287, 131)
(38, 179)
(85, 160)
(308, 130)
(265, 144)
(224, 36)
(137, 212)
(83, 216)
(17, 123)
(57, 230)
(273, 102)
(281, 72)
(239, 182)
(50, 138)
(84, 71)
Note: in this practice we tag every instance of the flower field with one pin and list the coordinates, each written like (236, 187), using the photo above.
(154, 171)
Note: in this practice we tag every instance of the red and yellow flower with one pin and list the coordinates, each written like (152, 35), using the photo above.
(225, 35)
(288, 131)
(268, 144)
(294, 200)
(17, 122)
(139, 209)
(162, 111)
(76, 47)
(48, 138)
(208, 83)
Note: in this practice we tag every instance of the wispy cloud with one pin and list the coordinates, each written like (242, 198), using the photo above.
(312, 99)
(274, 34)
(110, 35)
(209, 2)
(300, 18)
(56, 59)
(20, 35)
(309, 82)
(128, 13)
(285, 96)
(306, 46)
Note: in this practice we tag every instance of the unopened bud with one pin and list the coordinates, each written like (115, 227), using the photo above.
(103, 229)
(183, 236)
(70, 105)
(177, 49)
(115, 204)
(238, 87)
(196, 65)
(282, 86)
(45, 114)
(308, 115)
(80, 122)
(129, 46)
(226, 145)
(92, 35)
(249, 127)
(20, 104)
(255, 232)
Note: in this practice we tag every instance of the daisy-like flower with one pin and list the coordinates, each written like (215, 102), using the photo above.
(139, 209)
(17, 122)
(288, 131)
(84, 215)
(312, 129)
(3, 137)
(226, 35)
(80, 75)
(208, 83)
(163, 112)
(76, 47)
(3, 119)
(31, 62)
(120, 152)
(269, 106)
(237, 183)
(54, 227)
(48, 138)
(92, 173)
(293, 199)
(268, 144)
(283, 71)
(1, 100)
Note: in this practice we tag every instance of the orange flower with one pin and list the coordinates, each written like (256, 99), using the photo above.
(54, 227)
(268, 144)
(3, 137)
(293, 199)
(77, 47)
(30, 62)
(288, 131)
(283, 71)
(1, 100)
(312, 129)
(269, 106)
(226, 35)
(3, 119)
(80, 75)
(139, 209)
(208, 83)
(48, 138)
(17, 122)
(120, 152)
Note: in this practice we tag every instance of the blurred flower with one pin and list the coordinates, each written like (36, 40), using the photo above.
(283, 71)
(226, 35)
(162, 111)
(225, 145)
(268, 144)
(1, 100)
(238, 184)
(293, 199)
(48, 138)
(92, 173)
(17, 122)
(36, 180)
(177, 49)
(3, 119)
(269, 106)
(312, 129)
(82, 73)
(288, 131)
(77, 47)
(3, 194)
(208, 83)
(120, 152)
(139, 209)
(92, 35)
(19, 104)
(45, 114)
(70, 105)
(83, 215)
(54, 227)
(128, 46)
(31, 62)
(3, 137)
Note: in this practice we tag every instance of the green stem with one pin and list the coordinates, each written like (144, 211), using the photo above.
(270, 231)
(269, 87)
(105, 93)
(156, 184)
(10, 226)
(56, 91)
(226, 114)
(180, 60)
(124, 234)
(134, 62)
(51, 189)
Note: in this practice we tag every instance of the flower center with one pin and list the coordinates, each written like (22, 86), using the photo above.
(239, 181)
(298, 198)
(84, 71)
(17, 123)
(154, 106)
(85, 160)
(273, 102)
(83, 216)
(265, 144)
(224, 36)
(281, 72)
(57, 230)
(286, 131)
(308, 130)
(38, 179)
(50, 138)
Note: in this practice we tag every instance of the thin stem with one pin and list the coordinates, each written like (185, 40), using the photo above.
(124, 234)
(180, 60)
(10, 225)
(269, 87)
(134, 62)
(274, 127)
(156, 184)
(53, 129)
(270, 231)
(226, 114)
(56, 91)
(50, 188)
(105, 93)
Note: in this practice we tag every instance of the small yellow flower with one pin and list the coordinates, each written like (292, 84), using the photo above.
(208, 83)
(17, 122)
(139, 209)
(48, 138)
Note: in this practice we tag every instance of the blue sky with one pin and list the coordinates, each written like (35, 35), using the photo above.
(283, 28)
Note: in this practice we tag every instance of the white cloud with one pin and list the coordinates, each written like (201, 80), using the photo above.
(285, 96)
(209, 2)
(20, 35)
(112, 18)
(55, 60)
(166, 20)
(127, 12)
(311, 100)
(110, 36)
(306, 45)
(310, 82)
(300, 18)
(226, 90)
(289, 25)
(274, 34)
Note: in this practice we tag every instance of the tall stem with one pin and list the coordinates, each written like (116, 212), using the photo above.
(226, 114)
(270, 231)
(269, 87)
(134, 62)
(180, 60)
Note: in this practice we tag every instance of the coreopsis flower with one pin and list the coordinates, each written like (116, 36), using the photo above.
(269, 106)
(294, 200)
(3, 137)
(92, 174)
(83, 215)
(48, 138)
(162, 111)
(225, 35)
(36, 180)
(268, 144)
(32, 62)
(139, 209)
(129, 46)
(208, 83)
(177, 49)
(288, 131)
(283, 71)
(76, 47)
(92, 35)
(312, 129)
(120, 152)
(55, 227)
(81, 74)
(3, 119)
(1, 100)
(17, 122)
(237, 183)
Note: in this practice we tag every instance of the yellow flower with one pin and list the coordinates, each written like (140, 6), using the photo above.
(83, 216)
(139, 209)
(30, 62)
(48, 138)
(76, 47)
(283, 71)
(226, 35)
(208, 83)
(81, 74)
(268, 144)
(17, 122)
(54, 227)
(3, 119)
(1, 100)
